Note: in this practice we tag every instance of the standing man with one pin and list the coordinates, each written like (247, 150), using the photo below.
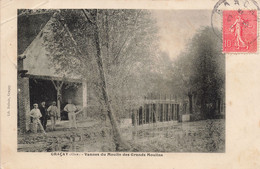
(53, 113)
(44, 117)
(71, 109)
(36, 115)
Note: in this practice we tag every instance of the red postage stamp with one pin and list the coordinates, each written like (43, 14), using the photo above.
(240, 31)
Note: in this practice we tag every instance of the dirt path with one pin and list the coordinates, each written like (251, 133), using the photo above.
(94, 135)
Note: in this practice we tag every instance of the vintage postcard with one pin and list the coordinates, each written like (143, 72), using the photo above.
(130, 84)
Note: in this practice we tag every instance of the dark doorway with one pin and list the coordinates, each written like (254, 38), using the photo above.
(42, 90)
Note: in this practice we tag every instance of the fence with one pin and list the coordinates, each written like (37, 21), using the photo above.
(153, 111)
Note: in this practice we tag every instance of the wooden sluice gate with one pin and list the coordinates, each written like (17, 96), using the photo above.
(151, 117)
(155, 111)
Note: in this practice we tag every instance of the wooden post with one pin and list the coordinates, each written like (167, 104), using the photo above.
(158, 112)
(58, 88)
(163, 113)
(193, 102)
(58, 101)
(145, 113)
(172, 112)
(137, 117)
(142, 115)
(169, 111)
(134, 117)
(150, 112)
(176, 112)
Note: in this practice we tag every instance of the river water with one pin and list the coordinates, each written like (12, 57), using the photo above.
(199, 136)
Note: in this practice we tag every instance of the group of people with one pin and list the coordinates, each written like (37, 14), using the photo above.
(40, 115)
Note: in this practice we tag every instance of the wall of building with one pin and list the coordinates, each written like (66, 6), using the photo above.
(23, 104)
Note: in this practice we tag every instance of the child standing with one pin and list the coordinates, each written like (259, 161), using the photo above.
(36, 115)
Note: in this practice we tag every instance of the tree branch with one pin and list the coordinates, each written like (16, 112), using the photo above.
(54, 84)
(123, 44)
(74, 41)
(86, 15)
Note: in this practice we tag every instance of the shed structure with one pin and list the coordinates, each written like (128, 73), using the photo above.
(37, 79)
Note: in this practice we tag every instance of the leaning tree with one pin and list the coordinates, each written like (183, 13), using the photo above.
(115, 50)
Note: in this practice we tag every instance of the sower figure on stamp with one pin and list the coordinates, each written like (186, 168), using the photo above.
(36, 115)
(53, 113)
(237, 29)
(71, 109)
(44, 117)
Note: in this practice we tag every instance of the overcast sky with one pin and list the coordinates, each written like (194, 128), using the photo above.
(178, 26)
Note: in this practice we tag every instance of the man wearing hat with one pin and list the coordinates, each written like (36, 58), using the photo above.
(44, 117)
(36, 115)
(53, 113)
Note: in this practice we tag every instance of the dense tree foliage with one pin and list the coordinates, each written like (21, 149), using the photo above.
(114, 50)
(199, 72)
(128, 42)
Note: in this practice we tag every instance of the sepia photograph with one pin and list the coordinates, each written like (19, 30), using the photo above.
(120, 80)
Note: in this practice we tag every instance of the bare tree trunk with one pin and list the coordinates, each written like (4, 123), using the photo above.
(190, 102)
(120, 144)
(204, 109)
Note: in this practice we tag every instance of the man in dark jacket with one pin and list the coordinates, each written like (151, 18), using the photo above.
(44, 117)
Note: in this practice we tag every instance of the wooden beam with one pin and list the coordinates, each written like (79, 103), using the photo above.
(64, 79)
(54, 84)
(58, 101)
(61, 84)
(58, 87)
